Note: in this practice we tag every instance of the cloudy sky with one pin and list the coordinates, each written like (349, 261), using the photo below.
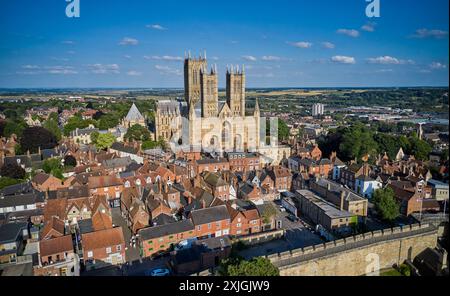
(282, 43)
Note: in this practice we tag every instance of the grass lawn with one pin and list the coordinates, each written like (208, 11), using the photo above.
(391, 272)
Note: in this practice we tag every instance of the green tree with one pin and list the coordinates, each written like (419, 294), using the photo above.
(94, 137)
(149, 144)
(14, 127)
(259, 266)
(105, 140)
(6, 181)
(37, 137)
(283, 130)
(52, 126)
(51, 164)
(137, 133)
(357, 141)
(13, 171)
(419, 148)
(387, 143)
(75, 122)
(108, 121)
(385, 204)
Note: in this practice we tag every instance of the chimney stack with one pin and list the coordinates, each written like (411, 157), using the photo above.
(342, 200)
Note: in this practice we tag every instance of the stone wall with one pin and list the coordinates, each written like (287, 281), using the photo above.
(352, 256)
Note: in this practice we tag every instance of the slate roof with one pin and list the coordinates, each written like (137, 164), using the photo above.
(167, 229)
(117, 162)
(211, 160)
(23, 199)
(10, 231)
(134, 114)
(163, 219)
(124, 148)
(15, 189)
(208, 215)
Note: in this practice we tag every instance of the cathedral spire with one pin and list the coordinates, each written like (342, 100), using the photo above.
(256, 107)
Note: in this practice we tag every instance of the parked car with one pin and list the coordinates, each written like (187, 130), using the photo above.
(292, 218)
(282, 209)
(158, 272)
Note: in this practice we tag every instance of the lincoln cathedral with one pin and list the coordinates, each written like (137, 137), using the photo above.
(202, 122)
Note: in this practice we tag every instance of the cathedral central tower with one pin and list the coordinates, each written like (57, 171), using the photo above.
(192, 78)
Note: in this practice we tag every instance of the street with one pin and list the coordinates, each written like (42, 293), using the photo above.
(297, 236)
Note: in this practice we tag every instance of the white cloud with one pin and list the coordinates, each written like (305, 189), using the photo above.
(104, 68)
(343, 59)
(214, 58)
(156, 27)
(127, 56)
(69, 42)
(234, 42)
(328, 45)
(271, 58)
(168, 70)
(348, 32)
(129, 41)
(369, 27)
(437, 65)
(384, 71)
(35, 69)
(164, 58)
(60, 59)
(388, 60)
(29, 67)
(134, 73)
(64, 70)
(249, 58)
(301, 44)
(71, 52)
(425, 71)
(425, 33)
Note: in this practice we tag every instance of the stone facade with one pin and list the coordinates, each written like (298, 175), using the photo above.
(353, 256)
(203, 123)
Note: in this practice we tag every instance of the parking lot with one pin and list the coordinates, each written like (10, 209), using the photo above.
(297, 235)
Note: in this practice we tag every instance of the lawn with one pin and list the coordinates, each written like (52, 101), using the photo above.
(391, 272)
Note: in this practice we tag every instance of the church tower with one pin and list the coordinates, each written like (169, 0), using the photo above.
(235, 91)
(209, 92)
(192, 70)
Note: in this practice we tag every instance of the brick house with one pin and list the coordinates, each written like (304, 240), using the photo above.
(243, 162)
(211, 165)
(45, 182)
(216, 185)
(109, 186)
(103, 247)
(157, 239)
(244, 222)
(211, 222)
(282, 178)
(55, 250)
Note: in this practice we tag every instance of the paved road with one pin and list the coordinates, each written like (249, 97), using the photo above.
(131, 253)
(297, 236)
(134, 268)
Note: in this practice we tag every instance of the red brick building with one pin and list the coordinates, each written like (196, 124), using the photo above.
(103, 247)
(211, 222)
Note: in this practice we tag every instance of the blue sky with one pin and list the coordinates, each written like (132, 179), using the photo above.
(301, 43)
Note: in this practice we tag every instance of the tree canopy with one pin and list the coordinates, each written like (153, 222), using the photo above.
(53, 166)
(137, 133)
(13, 171)
(385, 204)
(37, 137)
(105, 140)
(259, 266)
(69, 160)
(52, 126)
